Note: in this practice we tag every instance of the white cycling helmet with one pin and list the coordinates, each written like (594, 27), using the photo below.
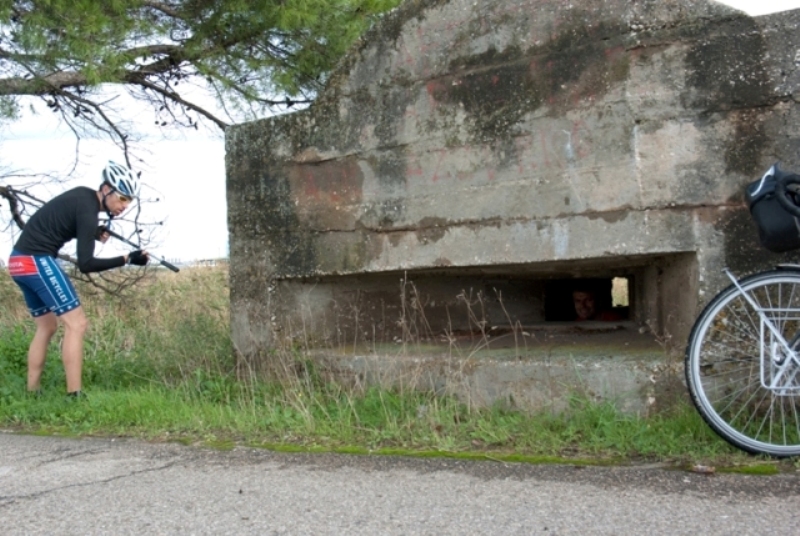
(121, 179)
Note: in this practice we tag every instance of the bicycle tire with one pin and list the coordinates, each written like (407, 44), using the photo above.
(723, 366)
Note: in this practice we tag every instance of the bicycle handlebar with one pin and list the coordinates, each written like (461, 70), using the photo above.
(159, 259)
(782, 193)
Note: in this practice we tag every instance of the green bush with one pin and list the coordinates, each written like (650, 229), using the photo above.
(14, 343)
(13, 363)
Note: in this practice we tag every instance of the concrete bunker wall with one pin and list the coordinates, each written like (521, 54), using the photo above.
(499, 146)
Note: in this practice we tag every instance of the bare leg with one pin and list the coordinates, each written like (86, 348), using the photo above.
(72, 347)
(46, 326)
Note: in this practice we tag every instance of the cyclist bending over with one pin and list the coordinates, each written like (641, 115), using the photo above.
(48, 291)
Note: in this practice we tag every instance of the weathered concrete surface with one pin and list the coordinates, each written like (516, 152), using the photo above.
(464, 147)
(541, 369)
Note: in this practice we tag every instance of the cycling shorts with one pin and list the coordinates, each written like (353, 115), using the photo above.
(46, 287)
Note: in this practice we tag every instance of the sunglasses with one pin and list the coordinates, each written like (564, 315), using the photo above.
(124, 198)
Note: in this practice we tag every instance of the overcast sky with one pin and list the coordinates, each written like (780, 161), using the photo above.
(762, 7)
(187, 173)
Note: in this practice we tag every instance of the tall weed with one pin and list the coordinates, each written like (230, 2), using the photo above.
(159, 364)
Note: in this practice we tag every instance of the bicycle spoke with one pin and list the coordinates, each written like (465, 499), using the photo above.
(731, 343)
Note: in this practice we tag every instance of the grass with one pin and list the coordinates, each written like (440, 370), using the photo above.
(159, 366)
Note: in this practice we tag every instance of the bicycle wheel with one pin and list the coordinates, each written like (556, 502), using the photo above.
(739, 373)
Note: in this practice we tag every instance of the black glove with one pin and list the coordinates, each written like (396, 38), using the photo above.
(138, 258)
(99, 233)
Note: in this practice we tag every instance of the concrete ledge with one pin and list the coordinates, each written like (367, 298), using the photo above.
(631, 371)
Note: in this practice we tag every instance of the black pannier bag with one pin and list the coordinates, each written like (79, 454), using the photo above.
(778, 230)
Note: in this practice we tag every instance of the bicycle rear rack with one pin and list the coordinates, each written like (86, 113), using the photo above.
(779, 361)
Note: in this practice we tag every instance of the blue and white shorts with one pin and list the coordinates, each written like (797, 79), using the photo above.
(46, 287)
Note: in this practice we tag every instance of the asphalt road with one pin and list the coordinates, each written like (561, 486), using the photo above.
(101, 486)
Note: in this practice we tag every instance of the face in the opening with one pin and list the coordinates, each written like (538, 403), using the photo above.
(584, 304)
(115, 202)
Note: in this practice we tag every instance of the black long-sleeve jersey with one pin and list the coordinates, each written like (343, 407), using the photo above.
(73, 214)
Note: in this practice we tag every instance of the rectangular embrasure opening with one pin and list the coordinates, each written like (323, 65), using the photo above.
(628, 296)
(585, 299)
